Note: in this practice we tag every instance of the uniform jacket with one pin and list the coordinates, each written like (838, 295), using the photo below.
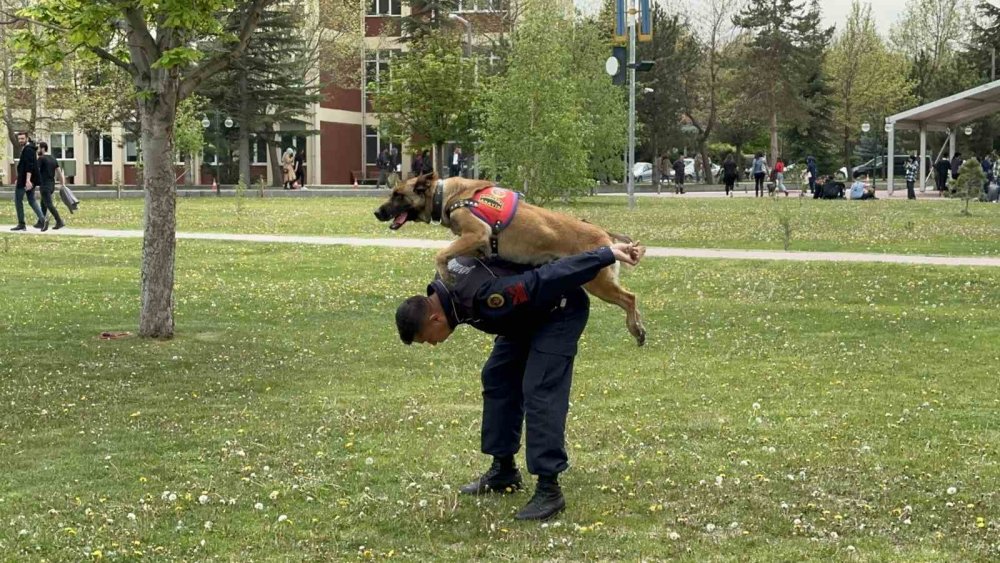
(513, 300)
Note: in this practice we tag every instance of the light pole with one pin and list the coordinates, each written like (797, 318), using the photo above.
(475, 69)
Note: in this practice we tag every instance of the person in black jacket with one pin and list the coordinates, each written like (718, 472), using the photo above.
(729, 174)
(426, 162)
(941, 170)
(538, 315)
(679, 167)
(27, 179)
(48, 169)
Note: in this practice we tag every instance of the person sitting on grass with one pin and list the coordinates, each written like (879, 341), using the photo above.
(862, 189)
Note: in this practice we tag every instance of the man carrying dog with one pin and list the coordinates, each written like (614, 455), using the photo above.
(538, 315)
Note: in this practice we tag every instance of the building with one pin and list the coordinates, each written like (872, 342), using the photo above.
(345, 148)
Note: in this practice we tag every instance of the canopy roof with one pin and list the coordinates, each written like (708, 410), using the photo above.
(951, 111)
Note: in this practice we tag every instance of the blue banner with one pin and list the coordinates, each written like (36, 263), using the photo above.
(621, 30)
(645, 21)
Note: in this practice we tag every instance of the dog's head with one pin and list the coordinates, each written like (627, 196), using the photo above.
(409, 201)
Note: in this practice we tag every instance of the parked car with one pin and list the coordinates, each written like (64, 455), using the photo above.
(689, 169)
(876, 167)
(642, 172)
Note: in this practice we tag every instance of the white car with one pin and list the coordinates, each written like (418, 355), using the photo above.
(642, 172)
(689, 169)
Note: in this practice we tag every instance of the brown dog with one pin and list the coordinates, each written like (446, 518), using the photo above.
(534, 235)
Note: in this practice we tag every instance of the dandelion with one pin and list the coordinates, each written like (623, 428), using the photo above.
(756, 406)
(258, 506)
(952, 490)
(282, 518)
(423, 503)
(131, 516)
(208, 524)
(369, 461)
(203, 499)
(172, 497)
(674, 536)
(851, 548)
(710, 527)
(273, 495)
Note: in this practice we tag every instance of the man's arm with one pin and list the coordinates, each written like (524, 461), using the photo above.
(30, 165)
(62, 175)
(546, 284)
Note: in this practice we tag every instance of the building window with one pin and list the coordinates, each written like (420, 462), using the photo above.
(378, 64)
(478, 6)
(61, 146)
(384, 7)
(293, 141)
(258, 148)
(100, 148)
(374, 143)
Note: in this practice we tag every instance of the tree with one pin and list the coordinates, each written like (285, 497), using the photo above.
(19, 90)
(929, 34)
(535, 131)
(814, 135)
(659, 111)
(427, 17)
(169, 49)
(870, 81)
(602, 102)
(269, 83)
(740, 121)
(777, 58)
(969, 185)
(701, 82)
(430, 97)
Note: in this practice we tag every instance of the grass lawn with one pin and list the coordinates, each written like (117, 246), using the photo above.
(779, 412)
(922, 227)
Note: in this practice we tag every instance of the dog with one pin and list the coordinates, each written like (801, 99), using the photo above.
(517, 232)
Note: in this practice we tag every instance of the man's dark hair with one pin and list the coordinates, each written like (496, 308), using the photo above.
(44, 146)
(410, 318)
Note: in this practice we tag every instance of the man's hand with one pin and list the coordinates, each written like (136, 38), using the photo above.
(626, 252)
(28, 186)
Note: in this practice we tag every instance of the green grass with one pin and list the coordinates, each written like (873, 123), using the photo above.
(922, 227)
(805, 411)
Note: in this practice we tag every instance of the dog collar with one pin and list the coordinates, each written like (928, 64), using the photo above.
(438, 206)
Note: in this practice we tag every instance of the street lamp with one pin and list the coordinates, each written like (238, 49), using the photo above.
(206, 123)
(968, 130)
(866, 127)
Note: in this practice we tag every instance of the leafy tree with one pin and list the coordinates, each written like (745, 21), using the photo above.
(169, 49)
(427, 17)
(778, 58)
(929, 34)
(740, 121)
(431, 95)
(969, 185)
(20, 95)
(870, 82)
(535, 131)
(602, 102)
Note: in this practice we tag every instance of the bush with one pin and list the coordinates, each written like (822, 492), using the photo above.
(969, 184)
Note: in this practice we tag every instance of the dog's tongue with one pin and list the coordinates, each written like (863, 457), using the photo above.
(398, 221)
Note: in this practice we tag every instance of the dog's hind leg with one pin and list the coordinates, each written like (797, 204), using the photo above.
(606, 288)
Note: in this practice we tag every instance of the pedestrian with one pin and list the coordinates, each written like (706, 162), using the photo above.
(394, 165)
(813, 172)
(779, 176)
(288, 168)
(911, 168)
(456, 163)
(956, 163)
(730, 174)
(538, 316)
(759, 169)
(941, 170)
(383, 163)
(300, 168)
(679, 167)
(47, 169)
(426, 162)
(417, 165)
(27, 178)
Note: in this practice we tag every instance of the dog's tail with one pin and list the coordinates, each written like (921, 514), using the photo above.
(618, 237)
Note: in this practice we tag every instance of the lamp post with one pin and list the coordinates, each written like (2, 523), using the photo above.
(206, 123)
(475, 69)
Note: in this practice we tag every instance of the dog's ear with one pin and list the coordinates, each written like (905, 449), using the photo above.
(424, 181)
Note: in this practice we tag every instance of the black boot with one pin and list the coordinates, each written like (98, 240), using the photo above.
(20, 227)
(547, 502)
(502, 477)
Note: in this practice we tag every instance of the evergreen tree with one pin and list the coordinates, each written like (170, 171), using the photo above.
(426, 17)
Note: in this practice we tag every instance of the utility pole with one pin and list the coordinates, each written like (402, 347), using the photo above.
(630, 177)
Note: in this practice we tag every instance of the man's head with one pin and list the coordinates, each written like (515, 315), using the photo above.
(23, 138)
(422, 320)
(43, 148)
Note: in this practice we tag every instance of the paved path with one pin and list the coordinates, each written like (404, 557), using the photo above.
(655, 251)
(899, 194)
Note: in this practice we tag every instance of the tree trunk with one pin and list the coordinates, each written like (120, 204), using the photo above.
(706, 167)
(159, 238)
(273, 154)
(244, 141)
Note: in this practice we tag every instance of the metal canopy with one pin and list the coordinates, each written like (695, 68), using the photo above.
(946, 114)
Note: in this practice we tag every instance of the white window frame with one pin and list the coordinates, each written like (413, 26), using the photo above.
(102, 159)
(372, 159)
(479, 6)
(383, 62)
(375, 8)
(255, 149)
(63, 137)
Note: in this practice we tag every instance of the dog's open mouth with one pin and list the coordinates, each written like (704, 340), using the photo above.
(399, 220)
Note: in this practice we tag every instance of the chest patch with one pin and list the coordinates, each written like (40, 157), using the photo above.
(496, 207)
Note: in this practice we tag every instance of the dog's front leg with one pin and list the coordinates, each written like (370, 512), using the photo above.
(472, 245)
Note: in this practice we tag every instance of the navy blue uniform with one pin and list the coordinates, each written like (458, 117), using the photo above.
(538, 315)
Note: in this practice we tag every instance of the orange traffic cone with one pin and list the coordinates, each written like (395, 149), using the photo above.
(215, 186)
(355, 182)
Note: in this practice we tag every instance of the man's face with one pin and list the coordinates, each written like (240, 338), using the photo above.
(41, 151)
(22, 139)
(435, 331)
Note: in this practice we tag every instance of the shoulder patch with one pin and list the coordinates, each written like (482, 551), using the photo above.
(495, 301)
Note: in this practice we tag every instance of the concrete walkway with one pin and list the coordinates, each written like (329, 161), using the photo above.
(654, 252)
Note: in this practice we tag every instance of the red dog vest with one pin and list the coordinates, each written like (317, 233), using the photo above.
(494, 206)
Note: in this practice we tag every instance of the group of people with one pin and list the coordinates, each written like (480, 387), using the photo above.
(37, 171)
(423, 163)
(759, 170)
(293, 169)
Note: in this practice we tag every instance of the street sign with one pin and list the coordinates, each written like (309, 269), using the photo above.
(645, 21)
(612, 65)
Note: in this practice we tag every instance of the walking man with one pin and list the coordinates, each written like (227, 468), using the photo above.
(382, 162)
(538, 315)
(456, 163)
(48, 167)
(27, 177)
